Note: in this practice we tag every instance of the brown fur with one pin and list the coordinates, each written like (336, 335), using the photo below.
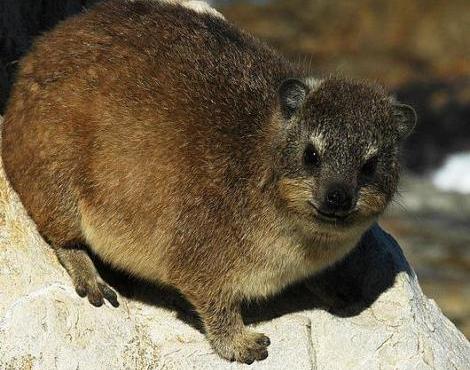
(153, 134)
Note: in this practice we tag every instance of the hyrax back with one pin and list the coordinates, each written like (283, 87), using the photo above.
(184, 151)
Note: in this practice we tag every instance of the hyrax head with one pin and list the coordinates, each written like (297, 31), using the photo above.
(338, 165)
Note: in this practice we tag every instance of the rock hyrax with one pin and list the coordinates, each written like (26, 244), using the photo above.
(184, 151)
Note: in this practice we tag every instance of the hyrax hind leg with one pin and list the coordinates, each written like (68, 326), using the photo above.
(58, 222)
(84, 275)
(44, 186)
(61, 229)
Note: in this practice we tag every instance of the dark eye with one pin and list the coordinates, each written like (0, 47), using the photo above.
(368, 169)
(311, 157)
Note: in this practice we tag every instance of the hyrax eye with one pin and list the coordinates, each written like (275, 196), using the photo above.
(311, 157)
(368, 169)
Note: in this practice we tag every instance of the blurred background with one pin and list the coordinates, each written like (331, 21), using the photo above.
(418, 49)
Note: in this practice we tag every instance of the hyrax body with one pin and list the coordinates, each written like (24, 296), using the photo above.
(184, 151)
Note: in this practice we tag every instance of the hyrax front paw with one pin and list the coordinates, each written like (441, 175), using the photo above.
(245, 347)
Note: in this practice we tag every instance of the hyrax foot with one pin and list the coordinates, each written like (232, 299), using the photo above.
(245, 347)
(227, 333)
(85, 277)
(96, 290)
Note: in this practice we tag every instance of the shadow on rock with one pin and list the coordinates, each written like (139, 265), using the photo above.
(345, 289)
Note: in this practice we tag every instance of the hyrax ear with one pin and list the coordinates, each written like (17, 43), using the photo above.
(405, 117)
(292, 94)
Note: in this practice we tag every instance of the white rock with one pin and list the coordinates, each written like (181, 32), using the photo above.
(197, 6)
(454, 175)
(202, 7)
(392, 325)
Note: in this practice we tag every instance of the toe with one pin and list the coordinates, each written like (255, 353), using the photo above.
(95, 297)
(261, 354)
(248, 359)
(109, 294)
(81, 289)
(263, 340)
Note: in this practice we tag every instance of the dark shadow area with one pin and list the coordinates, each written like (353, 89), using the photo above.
(149, 293)
(443, 108)
(345, 289)
(20, 22)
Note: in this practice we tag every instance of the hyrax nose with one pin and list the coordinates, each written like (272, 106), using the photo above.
(338, 199)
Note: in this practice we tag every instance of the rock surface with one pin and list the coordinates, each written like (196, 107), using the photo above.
(433, 228)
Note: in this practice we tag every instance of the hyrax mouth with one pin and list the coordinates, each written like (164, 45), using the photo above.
(337, 219)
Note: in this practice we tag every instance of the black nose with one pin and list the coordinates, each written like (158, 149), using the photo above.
(338, 199)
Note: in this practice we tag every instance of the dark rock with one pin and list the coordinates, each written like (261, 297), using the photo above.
(20, 22)
(443, 127)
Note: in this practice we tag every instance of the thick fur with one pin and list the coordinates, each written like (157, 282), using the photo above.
(154, 134)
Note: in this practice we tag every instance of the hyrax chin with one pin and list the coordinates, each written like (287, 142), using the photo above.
(184, 151)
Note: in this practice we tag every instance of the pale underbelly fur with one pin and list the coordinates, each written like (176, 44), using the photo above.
(280, 262)
(292, 263)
